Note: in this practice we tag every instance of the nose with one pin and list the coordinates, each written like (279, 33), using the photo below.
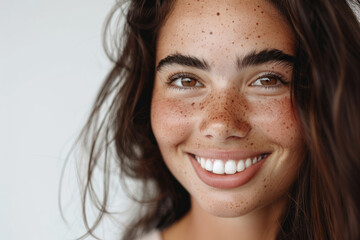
(225, 118)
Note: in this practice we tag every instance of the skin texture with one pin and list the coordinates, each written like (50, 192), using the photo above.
(227, 110)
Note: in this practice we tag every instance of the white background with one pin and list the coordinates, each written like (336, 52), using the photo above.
(51, 66)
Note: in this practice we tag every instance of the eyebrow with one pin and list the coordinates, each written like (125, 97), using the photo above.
(253, 58)
(180, 59)
(265, 56)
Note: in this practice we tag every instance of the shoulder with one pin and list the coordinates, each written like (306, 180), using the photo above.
(153, 235)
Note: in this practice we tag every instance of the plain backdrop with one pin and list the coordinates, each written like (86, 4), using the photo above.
(51, 66)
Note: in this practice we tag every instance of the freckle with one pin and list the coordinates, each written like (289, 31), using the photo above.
(246, 38)
(257, 23)
(254, 9)
(211, 33)
(233, 21)
(242, 45)
(218, 14)
(227, 9)
(233, 43)
(262, 11)
(259, 36)
(251, 144)
(193, 104)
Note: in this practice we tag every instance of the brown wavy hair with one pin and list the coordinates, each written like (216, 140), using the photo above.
(324, 200)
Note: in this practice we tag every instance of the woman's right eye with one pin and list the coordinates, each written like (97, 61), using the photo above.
(185, 82)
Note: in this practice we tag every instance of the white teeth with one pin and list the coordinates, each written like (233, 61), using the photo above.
(209, 165)
(203, 162)
(218, 167)
(248, 163)
(230, 167)
(240, 166)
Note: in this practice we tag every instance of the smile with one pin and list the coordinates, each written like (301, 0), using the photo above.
(218, 166)
(227, 170)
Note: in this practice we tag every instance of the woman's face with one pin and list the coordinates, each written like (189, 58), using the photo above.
(221, 110)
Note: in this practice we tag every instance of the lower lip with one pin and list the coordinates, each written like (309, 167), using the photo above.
(226, 181)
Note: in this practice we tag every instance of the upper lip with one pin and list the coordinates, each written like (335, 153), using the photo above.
(227, 154)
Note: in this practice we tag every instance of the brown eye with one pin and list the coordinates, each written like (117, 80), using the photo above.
(188, 82)
(268, 81)
(185, 82)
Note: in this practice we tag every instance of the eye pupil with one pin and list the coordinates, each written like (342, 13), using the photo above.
(268, 81)
(188, 82)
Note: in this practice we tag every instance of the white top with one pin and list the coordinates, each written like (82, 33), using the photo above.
(153, 235)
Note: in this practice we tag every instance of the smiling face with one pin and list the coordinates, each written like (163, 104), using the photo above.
(221, 110)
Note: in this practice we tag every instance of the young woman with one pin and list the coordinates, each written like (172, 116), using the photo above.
(240, 118)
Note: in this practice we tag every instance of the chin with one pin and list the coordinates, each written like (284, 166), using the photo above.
(234, 207)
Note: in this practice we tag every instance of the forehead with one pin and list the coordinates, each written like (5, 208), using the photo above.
(212, 29)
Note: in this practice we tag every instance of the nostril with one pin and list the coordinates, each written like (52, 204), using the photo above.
(224, 129)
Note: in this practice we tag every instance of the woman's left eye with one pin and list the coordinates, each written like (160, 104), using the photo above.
(269, 81)
(185, 82)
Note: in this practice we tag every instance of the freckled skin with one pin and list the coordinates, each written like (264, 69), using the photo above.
(227, 113)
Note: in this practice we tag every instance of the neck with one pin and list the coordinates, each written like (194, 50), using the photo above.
(198, 224)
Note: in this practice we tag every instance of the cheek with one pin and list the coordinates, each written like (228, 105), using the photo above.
(170, 119)
(277, 120)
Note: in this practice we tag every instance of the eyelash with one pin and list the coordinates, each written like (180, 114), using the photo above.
(278, 77)
(174, 77)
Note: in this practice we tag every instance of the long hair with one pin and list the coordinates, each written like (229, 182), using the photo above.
(324, 200)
